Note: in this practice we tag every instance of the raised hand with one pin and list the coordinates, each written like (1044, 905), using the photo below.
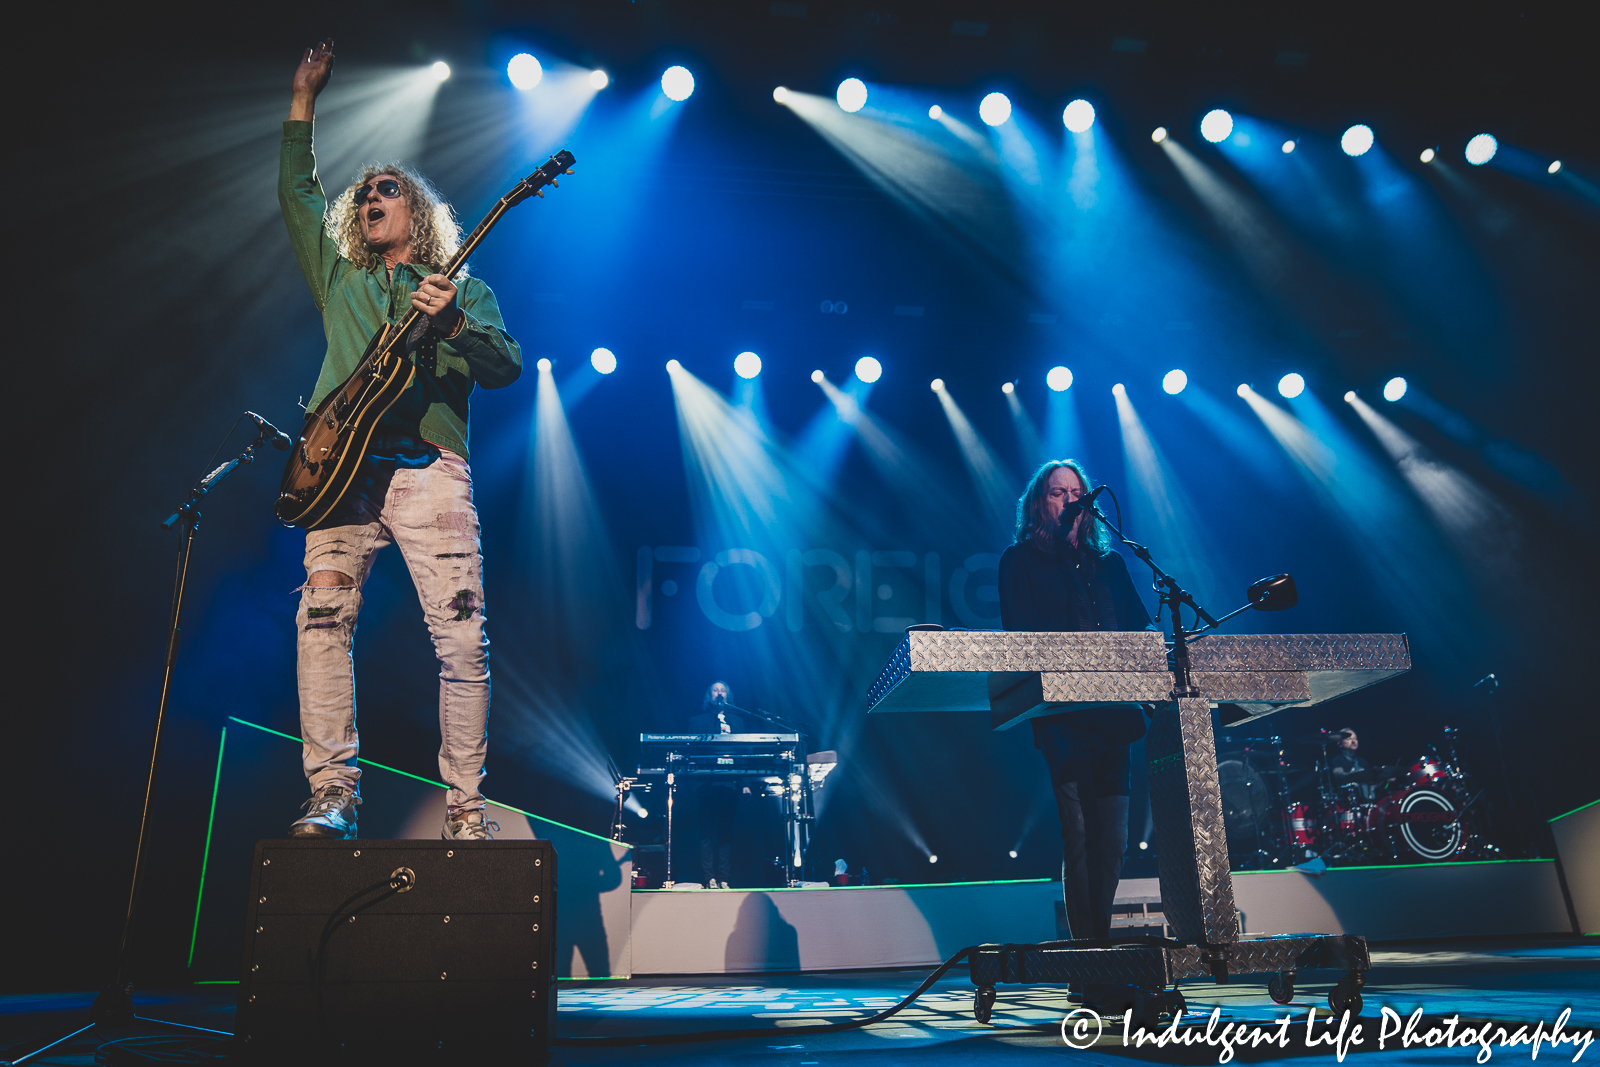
(310, 77)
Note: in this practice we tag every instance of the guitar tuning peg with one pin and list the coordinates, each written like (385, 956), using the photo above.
(539, 193)
(555, 183)
(569, 170)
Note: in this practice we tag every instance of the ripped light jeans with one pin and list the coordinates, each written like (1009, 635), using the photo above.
(427, 512)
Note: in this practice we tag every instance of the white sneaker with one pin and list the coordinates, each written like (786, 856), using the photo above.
(468, 826)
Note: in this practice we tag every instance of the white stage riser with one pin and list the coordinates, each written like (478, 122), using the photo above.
(746, 932)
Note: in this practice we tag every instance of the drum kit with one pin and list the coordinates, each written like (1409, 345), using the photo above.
(1281, 811)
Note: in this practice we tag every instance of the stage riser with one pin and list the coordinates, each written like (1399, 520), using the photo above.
(735, 932)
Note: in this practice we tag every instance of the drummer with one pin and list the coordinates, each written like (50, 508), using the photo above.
(1347, 767)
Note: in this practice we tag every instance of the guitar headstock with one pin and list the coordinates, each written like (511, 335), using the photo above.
(533, 184)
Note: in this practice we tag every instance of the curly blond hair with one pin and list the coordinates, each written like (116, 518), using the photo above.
(435, 233)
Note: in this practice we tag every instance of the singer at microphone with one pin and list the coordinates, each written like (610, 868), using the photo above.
(1062, 574)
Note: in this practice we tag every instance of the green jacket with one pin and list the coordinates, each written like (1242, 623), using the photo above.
(356, 303)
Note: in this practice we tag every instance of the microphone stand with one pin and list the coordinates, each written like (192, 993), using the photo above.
(114, 1005)
(1172, 596)
(797, 808)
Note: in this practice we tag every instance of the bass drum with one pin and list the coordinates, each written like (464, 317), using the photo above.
(1420, 823)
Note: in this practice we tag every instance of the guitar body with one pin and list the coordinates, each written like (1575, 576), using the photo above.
(326, 457)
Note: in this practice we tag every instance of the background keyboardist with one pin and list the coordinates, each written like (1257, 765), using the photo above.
(1062, 574)
(716, 799)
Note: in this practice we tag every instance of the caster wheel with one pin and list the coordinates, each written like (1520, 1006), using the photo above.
(1280, 987)
(983, 1003)
(1345, 996)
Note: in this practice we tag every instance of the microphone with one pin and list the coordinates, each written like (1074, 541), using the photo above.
(269, 432)
(1070, 510)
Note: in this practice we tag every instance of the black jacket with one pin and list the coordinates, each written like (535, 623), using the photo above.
(1064, 589)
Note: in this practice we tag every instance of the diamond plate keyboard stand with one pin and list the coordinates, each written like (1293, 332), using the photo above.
(1016, 676)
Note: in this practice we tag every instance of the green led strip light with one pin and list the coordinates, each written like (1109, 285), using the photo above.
(1574, 811)
(205, 857)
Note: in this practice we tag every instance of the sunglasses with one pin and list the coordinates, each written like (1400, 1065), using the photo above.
(388, 188)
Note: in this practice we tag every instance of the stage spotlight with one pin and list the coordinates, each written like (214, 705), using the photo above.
(643, 812)
(994, 109)
(677, 83)
(1291, 385)
(1216, 125)
(543, 364)
(673, 366)
(1008, 388)
(937, 385)
(603, 360)
(933, 859)
(1394, 389)
(747, 364)
(817, 376)
(936, 112)
(599, 79)
(1350, 396)
(1356, 140)
(1059, 379)
(441, 70)
(1427, 155)
(1481, 149)
(1174, 382)
(1288, 146)
(1119, 390)
(1158, 134)
(1554, 167)
(1013, 853)
(868, 369)
(852, 95)
(1243, 390)
(1143, 845)
(524, 71)
(1078, 116)
(780, 94)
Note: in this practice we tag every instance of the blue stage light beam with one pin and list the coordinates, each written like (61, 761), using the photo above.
(1423, 587)
(1029, 443)
(1159, 495)
(996, 487)
(1482, 530)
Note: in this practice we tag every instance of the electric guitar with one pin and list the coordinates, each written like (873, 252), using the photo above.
(324, 461)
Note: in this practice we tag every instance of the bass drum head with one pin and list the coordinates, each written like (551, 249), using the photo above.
(1424, 823)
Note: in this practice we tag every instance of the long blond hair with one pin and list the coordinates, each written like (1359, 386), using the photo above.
(435, 234)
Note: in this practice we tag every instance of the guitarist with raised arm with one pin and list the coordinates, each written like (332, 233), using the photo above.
(371, 259)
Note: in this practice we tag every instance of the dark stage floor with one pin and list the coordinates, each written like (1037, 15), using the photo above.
(1522, 981)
